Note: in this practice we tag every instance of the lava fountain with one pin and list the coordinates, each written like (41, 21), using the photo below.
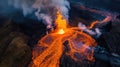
(51, 45)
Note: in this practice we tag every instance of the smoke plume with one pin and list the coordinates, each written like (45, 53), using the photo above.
(44, 10)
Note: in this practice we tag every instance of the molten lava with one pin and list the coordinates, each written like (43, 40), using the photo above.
(61, 31)
(61, 24)
(51, 46)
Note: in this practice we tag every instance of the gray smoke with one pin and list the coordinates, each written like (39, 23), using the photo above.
(44, 10)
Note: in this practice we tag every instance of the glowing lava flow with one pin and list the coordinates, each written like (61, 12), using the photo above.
(79, 44)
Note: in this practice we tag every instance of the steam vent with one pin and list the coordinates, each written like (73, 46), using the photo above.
(59, 33)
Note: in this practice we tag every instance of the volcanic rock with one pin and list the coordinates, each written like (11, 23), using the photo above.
(110, 40)
(14, 49)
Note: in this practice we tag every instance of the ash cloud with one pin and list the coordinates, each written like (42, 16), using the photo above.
(44, 10)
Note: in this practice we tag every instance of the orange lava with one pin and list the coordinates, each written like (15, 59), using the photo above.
(103, 22)
(61, 23)
(61, 31)
(79, 45)
(93, 24)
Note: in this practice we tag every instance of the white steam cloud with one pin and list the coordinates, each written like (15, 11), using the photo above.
(84, 28)
(44, 10)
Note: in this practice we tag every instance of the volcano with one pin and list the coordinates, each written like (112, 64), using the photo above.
(88, 38)
(79, 43)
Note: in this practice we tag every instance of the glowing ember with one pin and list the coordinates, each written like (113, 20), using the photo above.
(79, 43)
